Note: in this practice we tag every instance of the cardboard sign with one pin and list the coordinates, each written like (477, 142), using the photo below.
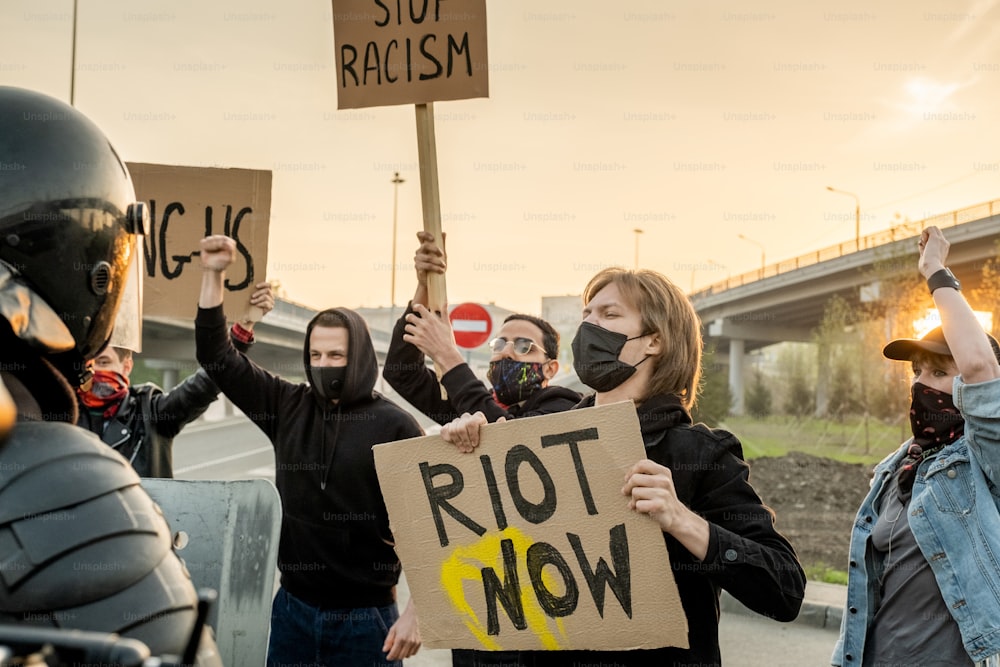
(409, 51)
(187, 204)
(528, 543)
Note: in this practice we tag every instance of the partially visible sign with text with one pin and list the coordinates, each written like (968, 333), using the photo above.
(187, 204)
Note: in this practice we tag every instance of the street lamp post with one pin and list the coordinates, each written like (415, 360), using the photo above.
(396, 180)
(763, 259)
(637, 233)
(72, 61)
(857, 215)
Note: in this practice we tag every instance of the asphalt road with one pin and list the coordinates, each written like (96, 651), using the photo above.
(236, 449)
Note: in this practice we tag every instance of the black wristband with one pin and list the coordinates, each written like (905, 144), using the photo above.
(943, 278)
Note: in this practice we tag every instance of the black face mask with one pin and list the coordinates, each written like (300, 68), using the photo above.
(595, 357)
(328, 381)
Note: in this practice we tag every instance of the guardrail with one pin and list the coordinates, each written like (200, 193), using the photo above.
(897, 233)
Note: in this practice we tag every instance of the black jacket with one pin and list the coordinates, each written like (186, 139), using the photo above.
(746, 555)
(336, 548)
(148, 420)
(406, 371)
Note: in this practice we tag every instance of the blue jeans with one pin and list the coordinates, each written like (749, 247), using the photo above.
(303, 635)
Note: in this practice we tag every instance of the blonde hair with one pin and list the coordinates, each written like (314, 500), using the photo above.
(666, 311)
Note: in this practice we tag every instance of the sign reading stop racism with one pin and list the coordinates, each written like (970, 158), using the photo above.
(472, 325)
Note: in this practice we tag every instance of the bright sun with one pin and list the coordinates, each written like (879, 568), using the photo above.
(933, 319)
(925, 96)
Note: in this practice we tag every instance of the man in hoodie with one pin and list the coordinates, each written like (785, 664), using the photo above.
(338, 566)
(525, 358)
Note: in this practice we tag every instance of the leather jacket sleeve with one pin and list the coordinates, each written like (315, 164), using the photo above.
(170, 411)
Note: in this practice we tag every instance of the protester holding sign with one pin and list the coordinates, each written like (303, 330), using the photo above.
(338, 567)
(140, 422)
(640, 340)
(525, 357)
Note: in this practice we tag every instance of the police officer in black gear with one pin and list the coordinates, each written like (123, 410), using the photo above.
(82, 546)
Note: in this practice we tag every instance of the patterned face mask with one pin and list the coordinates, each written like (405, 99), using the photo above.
(934, 419)
(515, 381)
(935, 422)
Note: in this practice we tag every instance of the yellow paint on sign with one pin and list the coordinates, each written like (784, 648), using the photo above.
(465, 563)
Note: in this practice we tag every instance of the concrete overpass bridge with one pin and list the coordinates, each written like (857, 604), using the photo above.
(785, 301)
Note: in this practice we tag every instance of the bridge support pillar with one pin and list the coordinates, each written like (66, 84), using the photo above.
(822, 379)
(169, 378)
(736, 352)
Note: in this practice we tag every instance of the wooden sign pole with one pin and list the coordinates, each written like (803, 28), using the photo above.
(427, 155)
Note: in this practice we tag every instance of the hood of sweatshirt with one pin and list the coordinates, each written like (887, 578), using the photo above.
(362, 365)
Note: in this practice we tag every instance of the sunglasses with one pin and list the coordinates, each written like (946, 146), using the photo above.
(521, 345)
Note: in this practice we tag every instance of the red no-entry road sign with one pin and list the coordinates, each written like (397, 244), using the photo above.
(472, 325)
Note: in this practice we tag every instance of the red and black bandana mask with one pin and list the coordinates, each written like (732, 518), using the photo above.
(106, 391)
(935, 422)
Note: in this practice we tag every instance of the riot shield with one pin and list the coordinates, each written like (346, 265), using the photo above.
(227, 534)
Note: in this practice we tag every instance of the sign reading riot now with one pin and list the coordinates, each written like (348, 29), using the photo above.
(409, 51)
(528, 542)
(187, 204)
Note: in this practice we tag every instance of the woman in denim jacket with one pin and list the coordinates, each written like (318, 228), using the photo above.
(924, 577)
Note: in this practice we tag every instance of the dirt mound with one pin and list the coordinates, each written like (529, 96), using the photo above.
(815, 500)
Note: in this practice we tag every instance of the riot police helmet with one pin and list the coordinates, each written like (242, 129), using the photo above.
(69, 225)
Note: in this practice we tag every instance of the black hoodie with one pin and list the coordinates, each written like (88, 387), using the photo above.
(336, 549)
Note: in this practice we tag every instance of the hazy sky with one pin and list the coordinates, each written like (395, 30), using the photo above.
(696, 121)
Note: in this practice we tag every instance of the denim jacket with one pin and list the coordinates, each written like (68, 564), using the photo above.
(955, 520)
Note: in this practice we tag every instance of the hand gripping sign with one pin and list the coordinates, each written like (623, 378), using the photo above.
(528, 543)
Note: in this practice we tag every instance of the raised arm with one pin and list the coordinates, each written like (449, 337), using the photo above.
(260, 304)
(217, 253)
(970, 349)
(252, 389)
(431, 334)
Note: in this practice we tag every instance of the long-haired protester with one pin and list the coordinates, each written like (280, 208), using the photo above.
(640, 341)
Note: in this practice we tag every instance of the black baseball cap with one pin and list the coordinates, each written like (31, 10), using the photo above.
(903, 349)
